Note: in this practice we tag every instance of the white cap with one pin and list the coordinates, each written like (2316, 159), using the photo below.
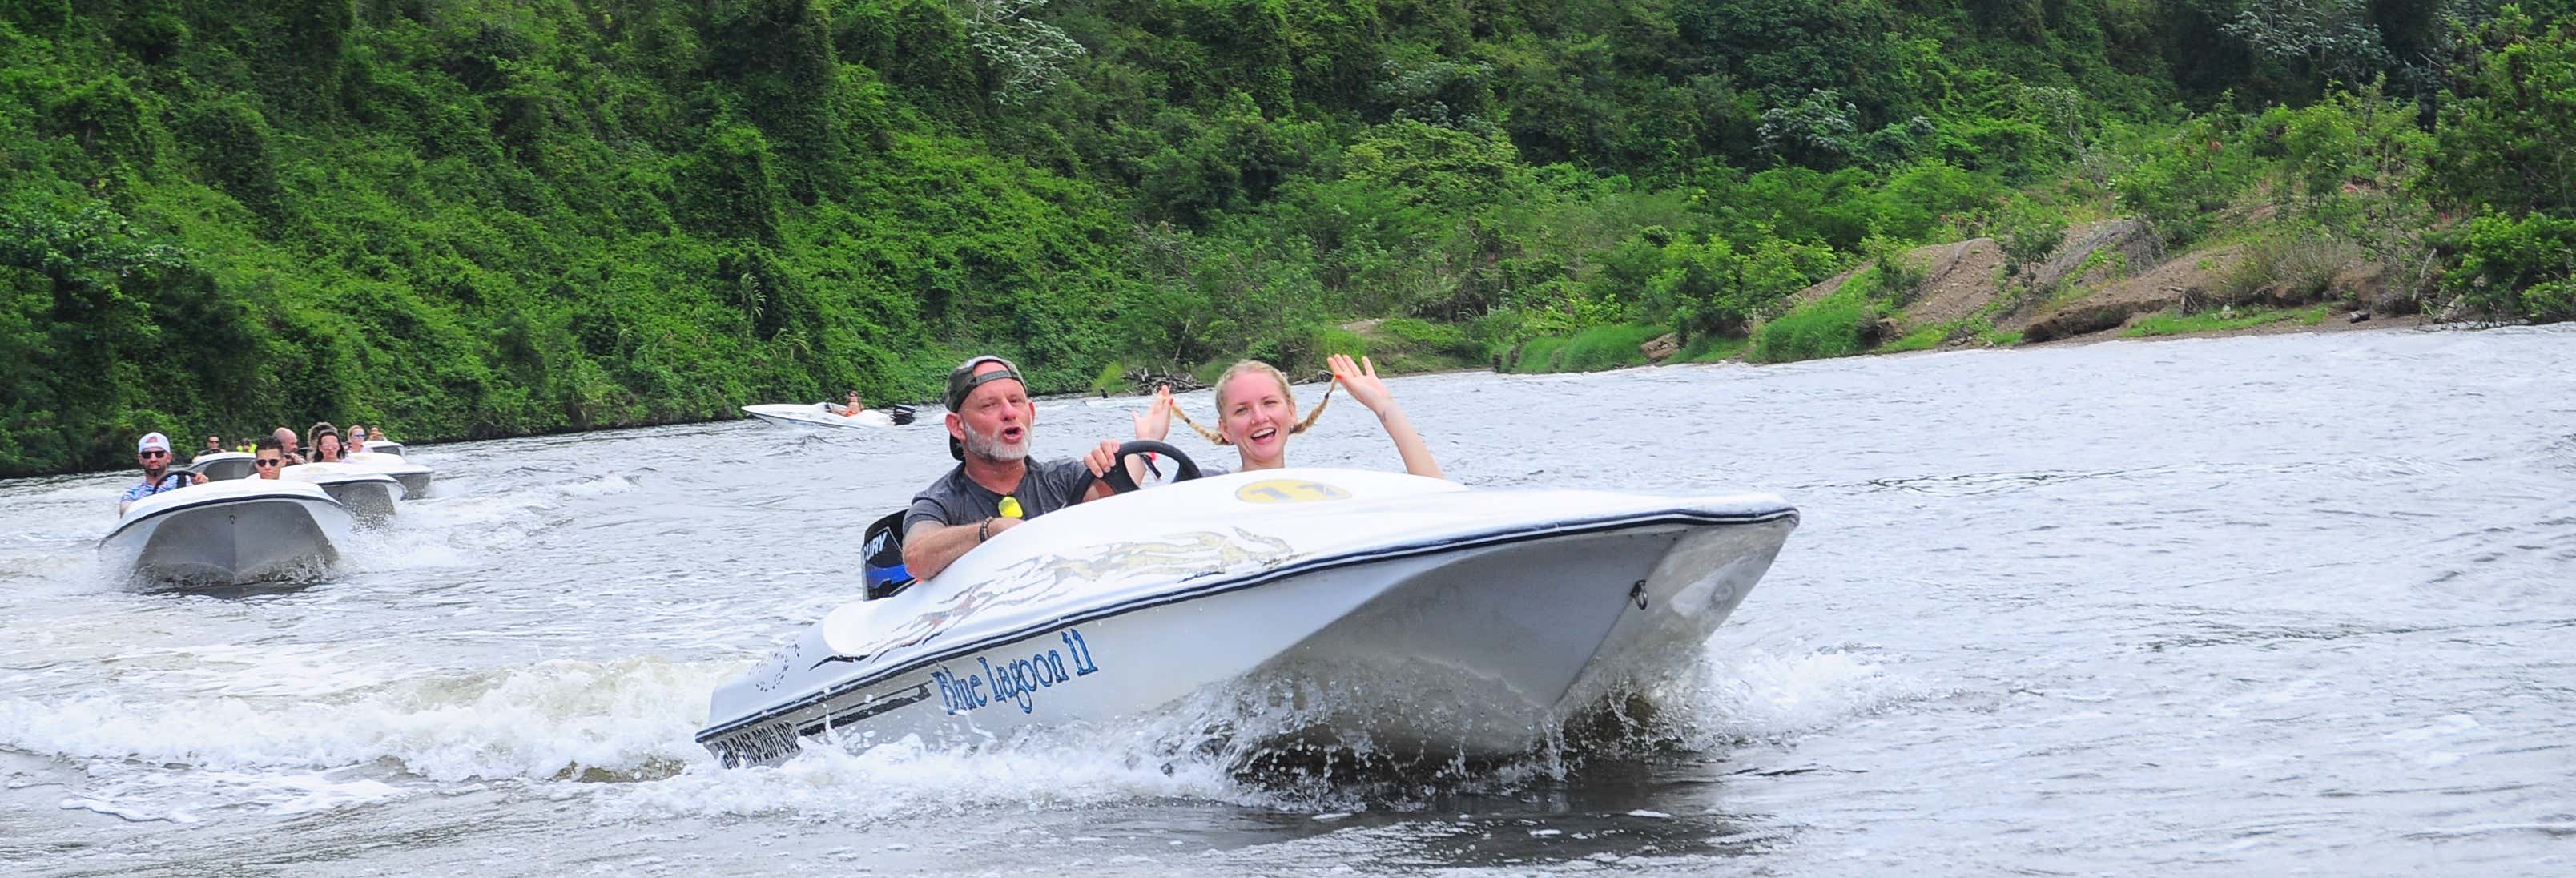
(152, 441)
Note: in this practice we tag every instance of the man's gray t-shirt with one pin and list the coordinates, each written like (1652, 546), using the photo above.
(956, 499)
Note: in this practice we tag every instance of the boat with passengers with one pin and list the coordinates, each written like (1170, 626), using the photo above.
(1434, 619)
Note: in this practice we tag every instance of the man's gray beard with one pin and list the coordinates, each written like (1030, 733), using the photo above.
(992, 448)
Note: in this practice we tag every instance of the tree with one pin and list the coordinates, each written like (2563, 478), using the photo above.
(1029, 55)
(2510, 139)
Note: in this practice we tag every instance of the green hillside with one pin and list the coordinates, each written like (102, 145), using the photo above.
(488, 218)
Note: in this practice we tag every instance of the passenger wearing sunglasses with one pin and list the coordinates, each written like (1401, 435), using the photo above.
(153, 454)
(268, 457)
(326, 443)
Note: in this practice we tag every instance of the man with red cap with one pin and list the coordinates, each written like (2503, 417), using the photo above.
(153, 454)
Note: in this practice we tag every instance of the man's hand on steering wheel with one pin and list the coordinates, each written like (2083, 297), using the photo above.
(1105, 465)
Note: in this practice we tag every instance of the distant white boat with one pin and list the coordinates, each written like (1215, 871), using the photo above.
(415, 477)
(228, 532)
(222, 466)
(381, 446)
(370, 495)
(828, 414)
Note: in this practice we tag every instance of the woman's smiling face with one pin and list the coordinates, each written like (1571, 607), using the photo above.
(1255, 415)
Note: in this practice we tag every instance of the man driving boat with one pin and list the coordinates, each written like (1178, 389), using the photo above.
(152, 453)
(993, 487)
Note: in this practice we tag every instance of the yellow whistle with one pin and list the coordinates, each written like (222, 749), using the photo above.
(1010, 506)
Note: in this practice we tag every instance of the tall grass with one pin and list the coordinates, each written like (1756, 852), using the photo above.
(2213, 321)
(1923, 339)
(1607, 347)
(1712, 349)
(1827, 327)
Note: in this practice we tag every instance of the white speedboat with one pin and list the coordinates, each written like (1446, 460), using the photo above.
(222, 466)
(370, 495)
(1434, 619)
(228, 532)
(828, 414)
(415, 477)
(384, 446)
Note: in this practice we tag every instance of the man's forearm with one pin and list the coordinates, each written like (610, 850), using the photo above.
(930, 548)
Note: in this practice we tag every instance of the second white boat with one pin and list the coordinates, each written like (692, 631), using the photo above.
(415, 477)
(828, 415)
(371, 496)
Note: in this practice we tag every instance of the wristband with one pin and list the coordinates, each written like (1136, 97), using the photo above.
(984, 530)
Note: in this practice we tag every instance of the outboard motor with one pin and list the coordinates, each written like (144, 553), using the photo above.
(884, 557)
(902, 415)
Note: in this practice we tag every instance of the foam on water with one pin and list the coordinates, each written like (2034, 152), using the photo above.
(1743, 694)
(1194, 750)
(903, 779)
(557, 720)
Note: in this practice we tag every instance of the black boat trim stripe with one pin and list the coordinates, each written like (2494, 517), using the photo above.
(918, 693)
(1248, 580)
(211, 504)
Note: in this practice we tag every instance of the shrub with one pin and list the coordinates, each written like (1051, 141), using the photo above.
(2179, 183)
(1829, 327)
(1538, 355)
(2517, 269)
(1606, 347)
(1112, 378)
(2029, 235)
(1711, 349)
(1426, 336)
(1893, 275)
(1712, 288)
(1921, 339)
(2289, 268)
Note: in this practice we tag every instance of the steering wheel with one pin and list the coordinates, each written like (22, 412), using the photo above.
(1183, 468)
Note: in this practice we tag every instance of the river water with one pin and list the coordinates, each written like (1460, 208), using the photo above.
(2288, 605)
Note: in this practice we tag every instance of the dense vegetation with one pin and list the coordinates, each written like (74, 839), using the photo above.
(490, 217)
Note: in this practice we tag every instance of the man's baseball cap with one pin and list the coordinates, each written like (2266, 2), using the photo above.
(963, 380)
(152, 442)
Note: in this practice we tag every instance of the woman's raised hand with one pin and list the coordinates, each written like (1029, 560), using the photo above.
(1155, 422)
(1361, 379)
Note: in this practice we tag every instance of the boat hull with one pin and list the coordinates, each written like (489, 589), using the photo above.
(815, 416)
(371, 503)
(415, 477)
(223, 466)
(225, 539)
(1470, 648)
(371, 497)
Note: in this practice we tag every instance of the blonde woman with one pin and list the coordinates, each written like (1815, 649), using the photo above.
(1257, 411)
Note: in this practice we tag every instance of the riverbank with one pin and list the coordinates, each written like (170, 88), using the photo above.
(2104, 280)
(1625, 346)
